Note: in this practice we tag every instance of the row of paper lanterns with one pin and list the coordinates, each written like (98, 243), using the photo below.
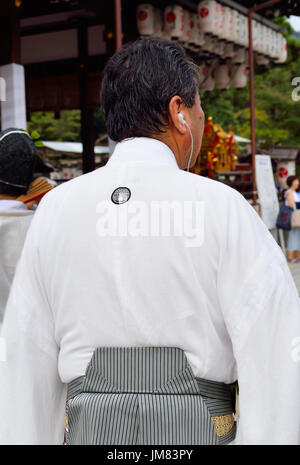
(214, 30)
(222, 75)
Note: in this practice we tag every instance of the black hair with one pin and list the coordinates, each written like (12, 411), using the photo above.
(138, 84)
(12, 191)
(290, 180)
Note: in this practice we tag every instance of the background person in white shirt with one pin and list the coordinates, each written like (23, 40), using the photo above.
(17, 162)
(97, 271)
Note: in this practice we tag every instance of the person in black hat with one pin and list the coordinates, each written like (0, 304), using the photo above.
(18, 157)
(17, 163)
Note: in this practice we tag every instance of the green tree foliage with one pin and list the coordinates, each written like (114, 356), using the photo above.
(65, 128)
(277, 115)
(266, 131)
(100, 127)
(223, 105)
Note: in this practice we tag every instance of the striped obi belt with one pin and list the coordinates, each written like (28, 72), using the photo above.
(147, 396)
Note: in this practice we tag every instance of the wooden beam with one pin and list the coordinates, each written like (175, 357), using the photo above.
(87, 113)
(118, 24)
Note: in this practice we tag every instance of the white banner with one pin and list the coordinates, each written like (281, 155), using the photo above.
(266, 190)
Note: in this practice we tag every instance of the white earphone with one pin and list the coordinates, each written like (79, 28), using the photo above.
(182, 120)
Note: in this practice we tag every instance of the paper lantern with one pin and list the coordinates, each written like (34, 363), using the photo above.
(265, 45)
(239, 55)
(239, 76)
(269, 41)
(262, 60)
(215, 46)
(194, 30)
(273, 53)
(186, 36)
(255, 35)
(203, 73)
(229, 51)
(277, 46)
(200, 36)
(244, 31)
(174, 21)
(209, 83)
(237, 28)
(208, 16)
(221, 48)
(261, 47)
(226, 33)
(223, 76)
(229, 13)
(283, 49)
(219, 19)
(208, 44)
(145, 19)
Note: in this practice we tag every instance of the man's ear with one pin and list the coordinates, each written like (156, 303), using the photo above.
(175, 107)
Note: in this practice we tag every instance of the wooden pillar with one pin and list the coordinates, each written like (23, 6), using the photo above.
(118, 23)
(10, 49)
(87, 114)
(252, 91)
(252, 107)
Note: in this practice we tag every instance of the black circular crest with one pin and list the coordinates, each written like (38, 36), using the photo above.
(120, 195)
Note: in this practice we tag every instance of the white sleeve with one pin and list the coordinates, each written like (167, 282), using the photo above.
(261, 308)
(32, 396)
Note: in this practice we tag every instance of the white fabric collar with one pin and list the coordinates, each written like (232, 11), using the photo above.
(143, 151)
(8, 205)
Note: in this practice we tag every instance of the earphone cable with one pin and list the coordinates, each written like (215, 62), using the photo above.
(192, 147)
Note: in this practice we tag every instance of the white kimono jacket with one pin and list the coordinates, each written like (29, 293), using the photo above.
(220, 290)
(15, 219)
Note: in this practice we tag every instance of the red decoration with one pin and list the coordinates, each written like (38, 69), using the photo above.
(143, 15)
(283, 172)
(207, 128)
(230, 149)
(204, 12)
(171, 17)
